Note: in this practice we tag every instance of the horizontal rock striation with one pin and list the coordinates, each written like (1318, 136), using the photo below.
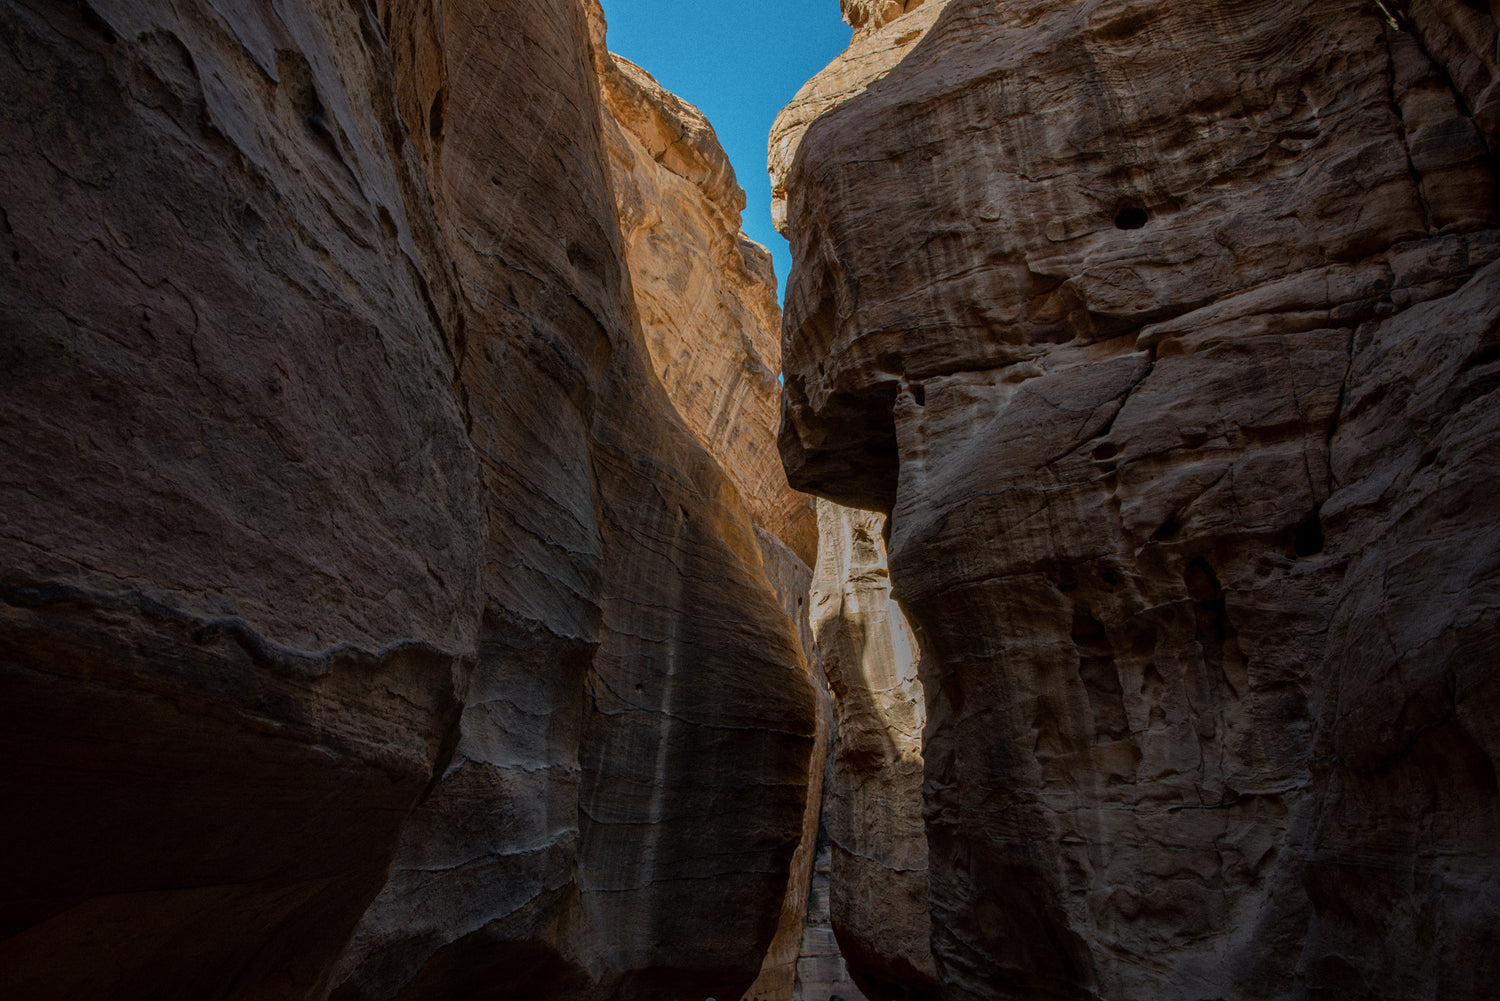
(363, 592)
(1167, 336)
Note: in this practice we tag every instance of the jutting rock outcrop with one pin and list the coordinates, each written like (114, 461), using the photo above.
(1169, 336)
(871, 54)
(364, 592)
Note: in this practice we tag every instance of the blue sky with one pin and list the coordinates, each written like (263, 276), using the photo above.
(740, 63)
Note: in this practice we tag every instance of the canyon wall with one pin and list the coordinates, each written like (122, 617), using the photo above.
(872, 807)
(366, 594)
(705, 295)
(1168, 337)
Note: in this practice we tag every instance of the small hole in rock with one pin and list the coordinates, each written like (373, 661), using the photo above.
(1484, 357)
(919, 394)
(1169, 531)
(435, 117)
(1106, 451)
(1131, 217)
(1307, 538)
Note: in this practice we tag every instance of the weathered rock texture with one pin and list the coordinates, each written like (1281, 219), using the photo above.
(345, 521)
(869, 16)
(821, 971)
(871, 54)
(704, 291)
(872, 809)
(1169, 335)
(241, 532)
(705, 295)
(640, 855)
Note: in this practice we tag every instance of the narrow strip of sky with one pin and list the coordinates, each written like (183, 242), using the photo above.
(740, 63)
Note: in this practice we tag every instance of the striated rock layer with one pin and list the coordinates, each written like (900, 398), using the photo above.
(705, 295)
(362, 590)
(242, 529)
(1169, 336)
(639, 853)
(704, 291)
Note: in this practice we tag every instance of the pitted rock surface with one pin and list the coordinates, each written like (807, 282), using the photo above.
(1167, 336)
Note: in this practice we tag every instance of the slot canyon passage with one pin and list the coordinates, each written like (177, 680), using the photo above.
(432, 567)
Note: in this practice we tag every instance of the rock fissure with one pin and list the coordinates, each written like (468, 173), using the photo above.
(404, 601)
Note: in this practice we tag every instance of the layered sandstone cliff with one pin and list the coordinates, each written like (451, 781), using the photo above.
(1168, 335)
(357, 567)
(705, 296)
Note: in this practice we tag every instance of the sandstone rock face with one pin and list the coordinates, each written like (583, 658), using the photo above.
(704, 291)
(242, 522)
(871, 54)
(869, 16)
(873, 804)
(821, 970)
(1168, 335)
(636, 655)
(1461, 38)
(705, 296)
(346, 521)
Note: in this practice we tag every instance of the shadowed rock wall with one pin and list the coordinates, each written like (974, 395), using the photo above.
(1168, 336)
(243, 526)
(349, 538)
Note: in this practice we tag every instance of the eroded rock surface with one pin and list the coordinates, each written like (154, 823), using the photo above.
(242, 524)
(871, 54)
(637, 857)
(1168, 336)
(349, 538)
(704, 291)
(705, 295)
(877, 878)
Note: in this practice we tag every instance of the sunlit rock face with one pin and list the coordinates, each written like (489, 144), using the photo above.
(630, 781)
(364, 592)
(705, 296)
(872, 808)
(1168, 335)
(705, 292)
(869, 16)
(871, 54)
